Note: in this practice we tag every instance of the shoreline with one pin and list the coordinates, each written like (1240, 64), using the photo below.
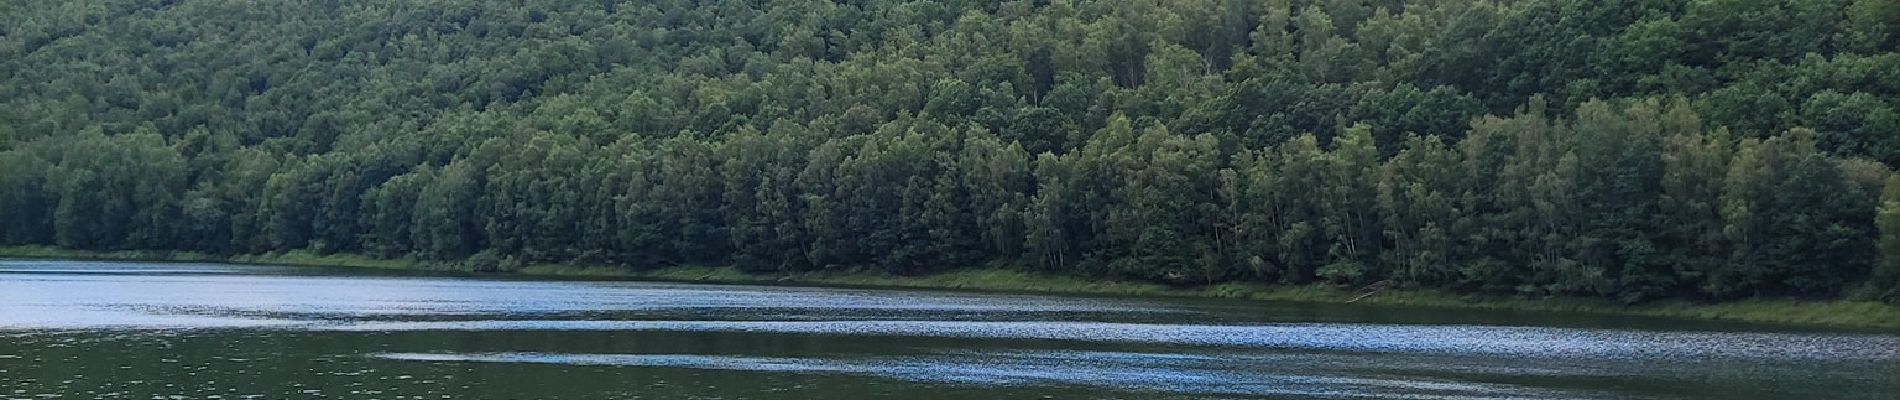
(1849, 314)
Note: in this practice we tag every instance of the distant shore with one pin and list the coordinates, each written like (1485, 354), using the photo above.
(1831, 313)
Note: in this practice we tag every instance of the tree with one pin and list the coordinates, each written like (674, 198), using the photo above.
(391, 213)
(26, 204)
(996, 175)
(115, 192)
(1417, 205)
(760, 201)
(1323, 56)
(1050, 219)
(1872, 25)
(444, 222)
(1161, 213)
(1348, 206)
(1301, 242)
(1791, 212)
(1619, 168)
(1886, 276)
(1858, 123)
(1695, 165)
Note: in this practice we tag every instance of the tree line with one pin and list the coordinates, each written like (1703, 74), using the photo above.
(1630, 149)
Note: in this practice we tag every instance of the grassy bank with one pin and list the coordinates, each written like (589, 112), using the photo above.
(1840, 313)
(1855, 314)
(299, 258)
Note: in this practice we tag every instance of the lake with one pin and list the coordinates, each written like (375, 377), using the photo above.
(126, 330)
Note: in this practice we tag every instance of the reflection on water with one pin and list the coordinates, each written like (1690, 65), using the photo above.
(1516, 341)
(1315, 377)
(139, 330)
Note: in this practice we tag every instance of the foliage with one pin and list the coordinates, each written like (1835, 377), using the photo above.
(1632, 150)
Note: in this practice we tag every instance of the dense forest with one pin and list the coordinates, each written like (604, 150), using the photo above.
(1624, 149)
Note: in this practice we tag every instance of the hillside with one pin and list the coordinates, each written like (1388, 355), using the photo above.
(1626, 149)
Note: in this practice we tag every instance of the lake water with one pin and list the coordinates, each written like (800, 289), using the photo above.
(106, 330)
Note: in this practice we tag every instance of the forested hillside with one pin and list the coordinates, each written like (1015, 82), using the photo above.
(1627, 149)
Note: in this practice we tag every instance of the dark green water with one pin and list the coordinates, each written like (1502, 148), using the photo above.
(94, 330)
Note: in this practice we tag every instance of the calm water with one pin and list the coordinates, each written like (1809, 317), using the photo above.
(85, 330)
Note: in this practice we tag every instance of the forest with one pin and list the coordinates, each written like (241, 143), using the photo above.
(1632, 150)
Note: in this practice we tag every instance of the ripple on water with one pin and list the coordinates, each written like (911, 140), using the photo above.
(1487, 340)
(1171, 347)
(1159, 372)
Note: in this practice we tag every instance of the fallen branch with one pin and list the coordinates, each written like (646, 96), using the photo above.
(1370, 290)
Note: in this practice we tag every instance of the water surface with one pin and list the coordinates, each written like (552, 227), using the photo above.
(77, 329)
